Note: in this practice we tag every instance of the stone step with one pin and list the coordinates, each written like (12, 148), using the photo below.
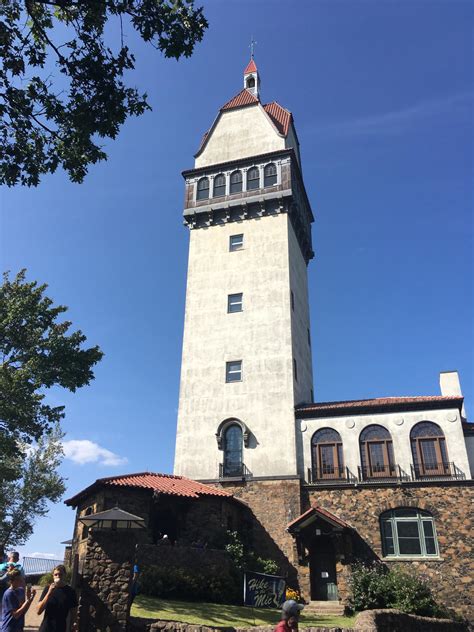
(325, 607)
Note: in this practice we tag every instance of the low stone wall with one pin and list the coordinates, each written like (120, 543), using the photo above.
(193, 559)
(396, 621)
(172, 626)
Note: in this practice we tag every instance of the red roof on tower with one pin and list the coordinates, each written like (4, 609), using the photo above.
(251, 67)
(243, 98)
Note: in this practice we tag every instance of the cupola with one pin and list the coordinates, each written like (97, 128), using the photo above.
(251, 78)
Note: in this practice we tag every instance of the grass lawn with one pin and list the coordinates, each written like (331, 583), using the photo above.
(216, 614)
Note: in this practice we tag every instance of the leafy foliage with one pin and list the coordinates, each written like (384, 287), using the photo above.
(375, 586)
(178, 583)
(46, 122)
(25, 499)
(245, 559)
(36, 353)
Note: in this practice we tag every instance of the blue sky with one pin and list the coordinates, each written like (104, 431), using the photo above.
(382, 97)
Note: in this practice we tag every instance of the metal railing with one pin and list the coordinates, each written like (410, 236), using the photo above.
(239, 470)
(329, 474)
(39, 565)
(433, 471)
(381, 472)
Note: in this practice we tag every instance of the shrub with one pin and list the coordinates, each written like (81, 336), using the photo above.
(375, 586)
(177, 583)
(243, 559)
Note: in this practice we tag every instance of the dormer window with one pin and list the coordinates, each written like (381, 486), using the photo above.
(203, 189)
(270, 175)
(236, 182)
(219, 185)
(253, 178)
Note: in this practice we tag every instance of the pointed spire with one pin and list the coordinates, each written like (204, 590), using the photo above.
(251, 67)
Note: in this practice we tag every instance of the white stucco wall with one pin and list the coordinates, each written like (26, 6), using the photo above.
(238, 134)
(399, 425)
(260, 336)
(292, 141)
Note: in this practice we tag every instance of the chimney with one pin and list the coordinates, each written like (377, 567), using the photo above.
(451, 387)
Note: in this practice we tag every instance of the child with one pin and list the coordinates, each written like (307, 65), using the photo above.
(290, 612)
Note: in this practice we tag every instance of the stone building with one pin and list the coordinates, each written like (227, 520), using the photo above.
(317, 485)
(330, 482)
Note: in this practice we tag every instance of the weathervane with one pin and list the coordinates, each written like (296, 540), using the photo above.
(252, 47)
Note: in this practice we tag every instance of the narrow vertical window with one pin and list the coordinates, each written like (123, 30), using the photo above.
(253, 178)
(234, 303)
(236, 182)
(312, 396)
(233, 371)
(295, 370)
(233, 451)
(219, 185)
(236, 242)
(309, 338)
(269, 175)
(202, 189)
(292, 297)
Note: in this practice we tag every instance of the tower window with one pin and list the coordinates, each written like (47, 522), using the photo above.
(269, 175)
(236, 242)
(233, 371)
(309, 338)
(236, 182)
(234, 303)
(292, 298)
(203, 189)
(253, 178)
(251, 82)
(295, 370)
(233, 451)
(219, 185)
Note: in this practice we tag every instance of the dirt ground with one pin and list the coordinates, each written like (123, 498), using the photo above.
(32, 620)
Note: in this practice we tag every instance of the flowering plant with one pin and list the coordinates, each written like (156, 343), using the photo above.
(292, 593)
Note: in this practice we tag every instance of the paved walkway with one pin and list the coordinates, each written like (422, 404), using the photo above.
(33, 620)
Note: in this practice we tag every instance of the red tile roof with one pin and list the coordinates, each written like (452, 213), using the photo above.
(360, 405)
(161, 483)
(243, 98)
(251, 67)
(280, 116)
(318, 512)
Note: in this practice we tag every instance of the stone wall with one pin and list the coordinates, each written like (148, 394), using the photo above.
(451, 576)
(105, 600)
(274, 503)
(396, 621)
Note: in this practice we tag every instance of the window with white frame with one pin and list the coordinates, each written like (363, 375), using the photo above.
(236, 242)
(219, 185)
(233, 371)
(234, 303)
(202, 189)
(408, 532)
(253, 178)
(269, 175)
(236, 182)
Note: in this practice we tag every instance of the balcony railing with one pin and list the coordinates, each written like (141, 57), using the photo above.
(434, 471)
(389, 472)
(239, 470)
(329, 474)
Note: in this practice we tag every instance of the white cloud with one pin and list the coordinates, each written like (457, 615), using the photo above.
(49, 556)
(396, 121)
(83, 451)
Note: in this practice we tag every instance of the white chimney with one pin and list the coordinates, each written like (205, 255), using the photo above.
(450, 386)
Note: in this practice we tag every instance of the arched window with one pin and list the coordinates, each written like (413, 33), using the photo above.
(233, 451)
(251, 82)
(326, 452)
(219, 185)
(269, 175)
(253, 178)
(376, 453)
(203, 189)
(408, 532)
(236, 182)
(428, 448)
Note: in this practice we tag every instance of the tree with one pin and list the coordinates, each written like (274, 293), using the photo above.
(46, 122)
(36, 353)
(25, 499)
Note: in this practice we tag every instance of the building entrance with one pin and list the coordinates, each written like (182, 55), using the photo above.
(322, 566)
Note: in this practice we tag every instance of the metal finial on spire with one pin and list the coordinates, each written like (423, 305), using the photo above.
(252, 47)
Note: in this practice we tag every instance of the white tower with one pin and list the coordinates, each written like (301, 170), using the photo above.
(246, 350)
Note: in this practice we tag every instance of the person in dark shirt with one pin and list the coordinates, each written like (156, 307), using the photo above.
(14, 604)
(57, 602)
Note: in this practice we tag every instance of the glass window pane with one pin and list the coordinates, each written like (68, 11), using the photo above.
(253, 178)
(428, 528)
(326, 435)
(233, 371)
(430, 546)
(374, 432)
(404, 512)
(408, 529)
(409, 546)
(234, 303)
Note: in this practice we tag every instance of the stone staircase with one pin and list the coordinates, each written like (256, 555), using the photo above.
(325, 608)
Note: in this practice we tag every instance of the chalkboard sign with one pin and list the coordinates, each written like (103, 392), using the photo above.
(263, 591)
